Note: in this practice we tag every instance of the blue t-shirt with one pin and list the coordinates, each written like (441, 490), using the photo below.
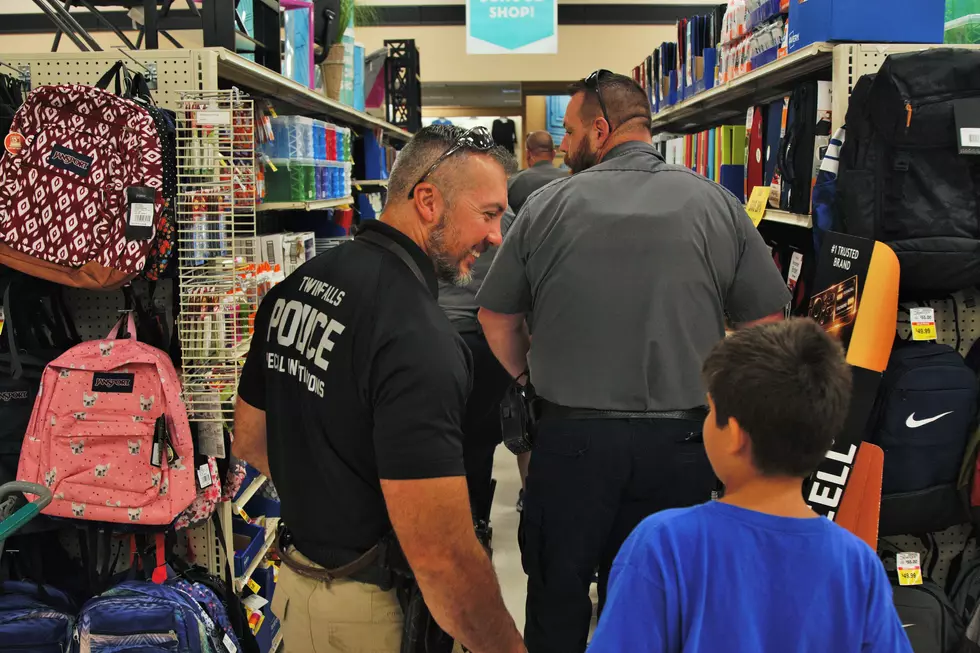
(721, 578)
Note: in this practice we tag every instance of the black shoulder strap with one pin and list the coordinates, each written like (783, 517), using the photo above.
(380, 240)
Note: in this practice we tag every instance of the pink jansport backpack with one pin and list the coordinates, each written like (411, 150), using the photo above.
(109, 435)
(80, 186)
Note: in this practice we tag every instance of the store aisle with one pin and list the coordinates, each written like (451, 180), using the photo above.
(505, 518)
(506, 553)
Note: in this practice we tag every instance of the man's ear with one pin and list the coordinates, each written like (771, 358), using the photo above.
(428, 202)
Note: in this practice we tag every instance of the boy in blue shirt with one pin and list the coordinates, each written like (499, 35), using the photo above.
(756, 571)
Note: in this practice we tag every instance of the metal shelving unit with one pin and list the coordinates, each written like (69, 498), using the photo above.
(314, 205)
(285, 92)
(270, 538)
(785, 217)
(380, 183)
(843, 63)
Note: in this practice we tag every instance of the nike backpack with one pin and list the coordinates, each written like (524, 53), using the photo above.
(109, 435)
(924, 415)
(902, 180)
(80, 186)
(928, 617)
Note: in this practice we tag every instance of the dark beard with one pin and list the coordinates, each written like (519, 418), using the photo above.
(447, 265)
(582, 159)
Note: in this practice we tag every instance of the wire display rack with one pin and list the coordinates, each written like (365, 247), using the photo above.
(215, 218)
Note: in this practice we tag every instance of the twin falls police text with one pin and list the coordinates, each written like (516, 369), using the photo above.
(306, 329)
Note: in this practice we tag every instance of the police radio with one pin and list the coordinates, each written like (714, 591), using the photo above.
(518, 416)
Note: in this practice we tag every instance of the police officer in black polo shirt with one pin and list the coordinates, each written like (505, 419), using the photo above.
(631, 267)
(351, 400)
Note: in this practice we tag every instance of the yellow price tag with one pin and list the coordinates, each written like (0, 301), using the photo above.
(357, 186)
(244, 515)
(1, 319)
(272, 166)
(909, 569)
(923, 322)
(252, 585)
(758, 203)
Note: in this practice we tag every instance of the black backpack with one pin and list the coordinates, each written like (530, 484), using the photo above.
(902, 180)
(924, 415)
(928, 617)
(37, 329)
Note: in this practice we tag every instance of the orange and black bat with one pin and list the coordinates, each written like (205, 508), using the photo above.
(847, 487)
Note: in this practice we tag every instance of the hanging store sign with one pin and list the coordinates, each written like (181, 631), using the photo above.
(511, 26)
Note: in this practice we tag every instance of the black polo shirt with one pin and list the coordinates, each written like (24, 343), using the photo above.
(362, 377)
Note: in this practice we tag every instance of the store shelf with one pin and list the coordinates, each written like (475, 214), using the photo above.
(785, 217)
(276, 642)
(730, 101)
(252, 77)
(249, 492)
(315, 205)
(381, 183)
(270, 538)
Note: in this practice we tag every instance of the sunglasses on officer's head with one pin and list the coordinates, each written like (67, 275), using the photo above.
(477, 138)
(592, 82)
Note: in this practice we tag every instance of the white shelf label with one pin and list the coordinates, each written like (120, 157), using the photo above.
(212, 117)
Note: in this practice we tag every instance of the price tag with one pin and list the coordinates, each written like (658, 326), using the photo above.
(252, 585)
(923, 323)
(909, 570)
(244, 515)
(209, 118)
(204, 476)
(758, 202)
(229, 644)
(1, 319)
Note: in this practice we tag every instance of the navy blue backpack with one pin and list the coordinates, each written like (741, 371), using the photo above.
(35, 618)
(923, 418)
(145, 617)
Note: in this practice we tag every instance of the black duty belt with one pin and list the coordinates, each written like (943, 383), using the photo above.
(549, 410)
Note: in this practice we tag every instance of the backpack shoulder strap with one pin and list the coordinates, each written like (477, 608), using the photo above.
(379, 240)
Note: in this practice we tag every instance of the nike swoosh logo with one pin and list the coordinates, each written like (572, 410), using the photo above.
(913, 423)
(907, 625)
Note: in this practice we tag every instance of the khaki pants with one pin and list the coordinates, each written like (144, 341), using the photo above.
(343, 616)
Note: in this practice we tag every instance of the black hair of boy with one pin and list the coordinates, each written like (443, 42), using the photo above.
(788, 386)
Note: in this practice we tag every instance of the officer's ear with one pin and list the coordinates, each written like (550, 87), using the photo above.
(429, 202)
(602, 130)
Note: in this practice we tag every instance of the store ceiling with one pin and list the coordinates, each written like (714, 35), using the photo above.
(471, 95)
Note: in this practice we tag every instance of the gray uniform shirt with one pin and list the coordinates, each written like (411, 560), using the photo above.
(525, 182)
(630, 268)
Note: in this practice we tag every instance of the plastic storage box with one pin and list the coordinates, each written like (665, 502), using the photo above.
(868, 21)
(963, 30)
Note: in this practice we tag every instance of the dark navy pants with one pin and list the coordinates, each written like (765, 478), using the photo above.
(591, 482)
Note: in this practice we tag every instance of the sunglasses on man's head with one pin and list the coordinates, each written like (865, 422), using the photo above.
(478, 139)
(593, 82)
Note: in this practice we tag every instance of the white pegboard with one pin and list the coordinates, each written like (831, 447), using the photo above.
(177, 70)
(96, 312)
(853, 60)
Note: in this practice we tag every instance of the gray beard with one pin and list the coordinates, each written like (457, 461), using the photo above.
(448, 268)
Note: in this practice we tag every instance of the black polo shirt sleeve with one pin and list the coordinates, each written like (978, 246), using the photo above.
(507, 289)
(419, 382)
(251, 384)
(758, 289)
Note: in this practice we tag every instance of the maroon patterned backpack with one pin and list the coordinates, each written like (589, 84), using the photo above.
(80, 186)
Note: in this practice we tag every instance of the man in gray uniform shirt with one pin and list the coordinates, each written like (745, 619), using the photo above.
(539, 153)
(631, 267)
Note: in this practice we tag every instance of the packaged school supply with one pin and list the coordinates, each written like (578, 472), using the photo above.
(902, 179)
(36, 618)
(80, 186)
(923, 417)
(109, 435)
